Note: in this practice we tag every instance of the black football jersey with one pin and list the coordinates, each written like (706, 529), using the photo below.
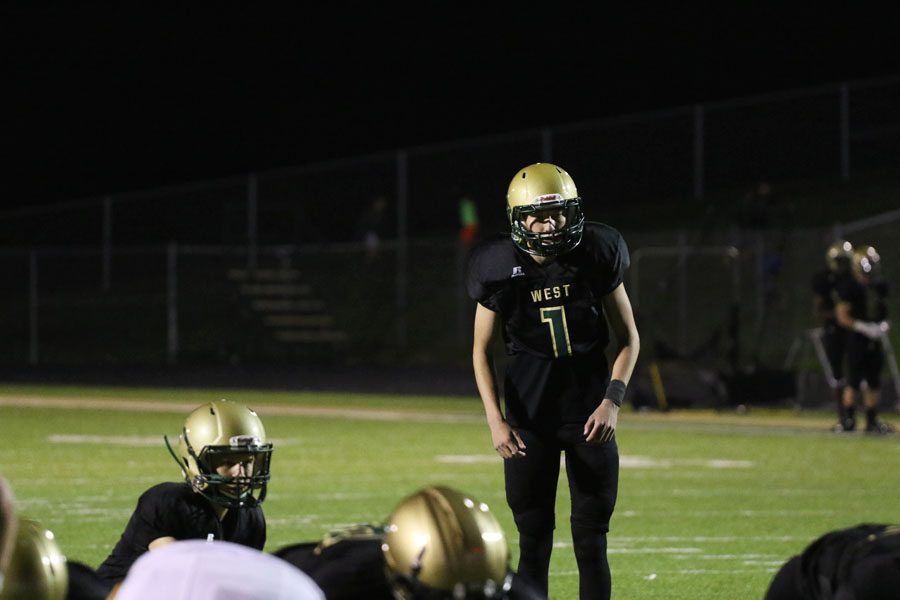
(828, 564)
(551, 310)
(824, 284)
(867, 302)
(174, 509)
(351, 565)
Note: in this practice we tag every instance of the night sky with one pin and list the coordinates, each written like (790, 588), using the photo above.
(100, 102)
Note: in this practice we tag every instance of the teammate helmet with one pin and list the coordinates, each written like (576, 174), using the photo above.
(542, 188)
(219, 433)
(839, 255)
(37, 568)
(867, 262)
(442, 543)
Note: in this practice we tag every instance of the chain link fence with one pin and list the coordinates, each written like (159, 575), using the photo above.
(272, 268)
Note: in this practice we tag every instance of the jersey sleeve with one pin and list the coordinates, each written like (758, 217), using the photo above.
(157, 514)
(620, 263)
(611, 255)
(481, 284)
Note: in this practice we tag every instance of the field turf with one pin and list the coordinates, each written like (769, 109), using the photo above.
(710, 504)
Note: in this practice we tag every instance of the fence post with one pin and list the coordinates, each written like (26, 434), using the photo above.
(32, 308)
(172, 301)
(546, 145)
(107, 242)
(402, 249)
(252, 197)
(683, 250)
(845, 133)
(698, 151)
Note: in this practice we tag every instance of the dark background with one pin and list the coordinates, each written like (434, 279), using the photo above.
(104, 101)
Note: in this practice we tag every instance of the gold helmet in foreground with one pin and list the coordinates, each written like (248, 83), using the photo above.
(543, 190)
(442, 543)
(37, 567)
(839, 256)
(220, 433)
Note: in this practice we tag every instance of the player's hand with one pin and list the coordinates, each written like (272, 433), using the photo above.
(601, 425)
(870, 329)
(885, 326)
(506, 441)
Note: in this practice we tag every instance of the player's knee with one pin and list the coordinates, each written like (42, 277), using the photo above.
(590, 524)
(535, 522)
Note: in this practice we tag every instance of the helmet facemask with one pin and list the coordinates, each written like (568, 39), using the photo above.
(564, 211)
(225, 490)
(223, 454)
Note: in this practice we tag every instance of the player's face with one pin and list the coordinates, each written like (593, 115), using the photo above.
(234, 465)
(546, 221)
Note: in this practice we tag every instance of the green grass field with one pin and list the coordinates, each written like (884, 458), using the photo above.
(709, 504)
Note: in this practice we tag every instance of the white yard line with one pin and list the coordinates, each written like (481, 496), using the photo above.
(157, 406)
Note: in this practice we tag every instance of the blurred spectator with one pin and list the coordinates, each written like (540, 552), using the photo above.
(468, 220)
(857, 563)
(757, 207)
(215, 570)
(371, 227)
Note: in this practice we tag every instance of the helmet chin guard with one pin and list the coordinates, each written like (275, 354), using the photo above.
(555, 242)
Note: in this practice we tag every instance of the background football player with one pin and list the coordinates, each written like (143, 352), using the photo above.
(552, 284)
(224, 457)
(437, 543)
(838, 257)
(862, 309)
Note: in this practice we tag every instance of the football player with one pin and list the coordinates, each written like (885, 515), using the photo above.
(838, 257)
(224, 457)
(857, 563)
(552, 285)
(862, 309)
(37, 567)
(438, 543)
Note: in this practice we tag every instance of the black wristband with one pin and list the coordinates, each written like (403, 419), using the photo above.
(615, 391)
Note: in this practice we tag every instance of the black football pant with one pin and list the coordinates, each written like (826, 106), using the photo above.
(531, 485)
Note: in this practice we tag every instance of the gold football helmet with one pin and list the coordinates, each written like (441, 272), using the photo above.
(867, 262)
(37, 569)
(839, 256)
(545, 191)
(224, 433)
(442, 543)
